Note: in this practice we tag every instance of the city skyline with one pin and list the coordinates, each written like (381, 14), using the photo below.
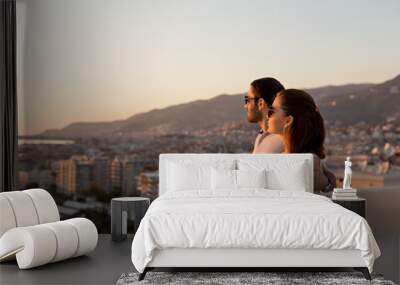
(154, 54)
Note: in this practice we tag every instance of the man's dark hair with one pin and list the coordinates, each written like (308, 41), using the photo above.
(267, 88)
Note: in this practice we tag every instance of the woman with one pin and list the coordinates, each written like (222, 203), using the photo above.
(295, 117)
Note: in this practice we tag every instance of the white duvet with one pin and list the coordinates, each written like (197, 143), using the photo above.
(250, 219)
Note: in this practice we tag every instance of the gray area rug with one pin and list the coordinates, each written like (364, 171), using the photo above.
(225, 278)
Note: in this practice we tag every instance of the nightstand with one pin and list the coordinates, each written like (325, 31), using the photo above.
(124, 209)
(358, 205)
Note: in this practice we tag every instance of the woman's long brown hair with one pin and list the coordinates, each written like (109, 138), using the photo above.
(306, 134)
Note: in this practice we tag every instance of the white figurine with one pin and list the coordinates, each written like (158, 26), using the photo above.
(347, 174)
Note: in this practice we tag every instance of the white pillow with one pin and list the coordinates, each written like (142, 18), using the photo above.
(251, 178)
(225, 179)
(293, 180)
(285, 174)
(183, 178)
(193, 174)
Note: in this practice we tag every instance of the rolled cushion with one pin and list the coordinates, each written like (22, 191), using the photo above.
(87, 235)
(45, 205)
(41, 244)
(23, 208)
(66, 238)
(7, 218)
(33, 246)
(26, 208)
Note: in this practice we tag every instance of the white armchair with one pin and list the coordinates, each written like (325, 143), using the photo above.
(31, 230)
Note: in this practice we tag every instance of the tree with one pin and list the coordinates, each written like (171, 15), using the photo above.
(116, 192)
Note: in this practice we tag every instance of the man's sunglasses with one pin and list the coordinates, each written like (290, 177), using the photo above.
(247, 99)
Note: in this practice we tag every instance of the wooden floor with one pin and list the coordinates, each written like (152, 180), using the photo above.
(103, 266)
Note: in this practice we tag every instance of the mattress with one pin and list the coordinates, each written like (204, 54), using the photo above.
(250, 219)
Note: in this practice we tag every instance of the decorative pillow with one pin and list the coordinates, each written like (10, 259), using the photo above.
(285, 174)
(251, 179)
(225, 179)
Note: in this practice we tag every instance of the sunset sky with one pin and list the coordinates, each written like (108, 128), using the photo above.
(102, 60)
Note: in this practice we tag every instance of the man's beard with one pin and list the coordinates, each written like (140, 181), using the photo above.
(254, 117)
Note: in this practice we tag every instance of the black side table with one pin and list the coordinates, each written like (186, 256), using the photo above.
(357, 205)
(124, 209)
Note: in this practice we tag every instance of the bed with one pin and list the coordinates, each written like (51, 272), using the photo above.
(246, 210)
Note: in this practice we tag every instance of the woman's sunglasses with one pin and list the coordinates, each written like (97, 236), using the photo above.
(270, 112)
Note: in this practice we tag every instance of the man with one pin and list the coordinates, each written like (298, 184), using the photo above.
(258, 101)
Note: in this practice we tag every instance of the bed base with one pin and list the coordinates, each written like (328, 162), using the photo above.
(250, 259)
(363, 270)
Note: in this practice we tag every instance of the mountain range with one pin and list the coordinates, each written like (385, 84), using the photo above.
(350, 104)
